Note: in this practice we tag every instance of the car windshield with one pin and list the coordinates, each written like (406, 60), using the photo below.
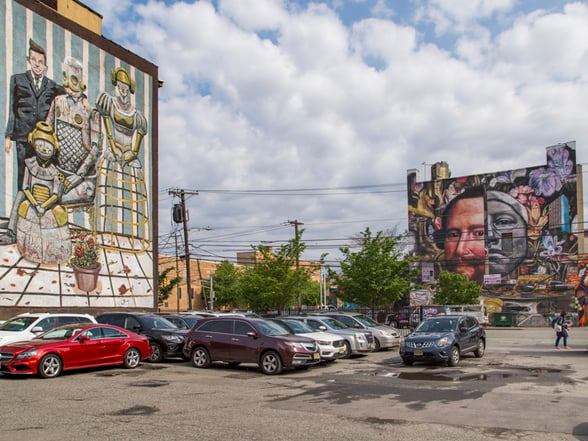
(17, 324)
(271, 328)
(297, 327)
(335, 324)
(365, 320)
(154, 322)
(437, 325)
(62, 333)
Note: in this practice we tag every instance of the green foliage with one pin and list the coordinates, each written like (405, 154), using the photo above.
(165, 285)
(378, 274)
(276, 280)
(456, 289)
(85, 250)
(227, 291)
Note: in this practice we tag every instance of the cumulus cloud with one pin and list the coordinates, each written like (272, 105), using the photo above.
(281, 94)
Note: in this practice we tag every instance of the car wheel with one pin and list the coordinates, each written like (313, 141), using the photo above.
(454, 356)
(156, 353)
(271, 363)
(377, 345)
(50, 366)
(132, 358)
(201, 358)
(347, 352)
(479, 352)
(407, 361)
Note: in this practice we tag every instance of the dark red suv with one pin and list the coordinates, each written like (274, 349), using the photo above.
(236, 340)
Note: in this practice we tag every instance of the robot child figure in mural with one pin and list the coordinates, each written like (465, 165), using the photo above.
(507, 232)
(77, 127)
(42, 232)
(121, 207)
(461, 233)
(31, 94)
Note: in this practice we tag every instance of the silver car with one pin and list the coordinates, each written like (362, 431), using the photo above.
(385, 337)
(356, 341)
(331, 346)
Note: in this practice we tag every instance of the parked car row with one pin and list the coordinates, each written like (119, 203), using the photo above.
(73, 341)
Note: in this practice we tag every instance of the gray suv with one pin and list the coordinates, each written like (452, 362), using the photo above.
(385, 336)
(444, 339)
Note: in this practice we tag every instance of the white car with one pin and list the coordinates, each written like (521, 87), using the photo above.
(28, 325)
(331, 346)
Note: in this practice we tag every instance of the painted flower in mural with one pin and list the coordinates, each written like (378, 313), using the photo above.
(553, 248)
(558, 160)
(85, 250)
(537, 217)
(545, 181)
(507, 177)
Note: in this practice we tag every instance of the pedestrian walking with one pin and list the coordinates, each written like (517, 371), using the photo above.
(561, 330)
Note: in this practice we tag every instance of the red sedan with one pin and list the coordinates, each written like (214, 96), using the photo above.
(74, 347)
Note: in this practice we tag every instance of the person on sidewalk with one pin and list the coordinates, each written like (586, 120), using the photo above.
(561, 330)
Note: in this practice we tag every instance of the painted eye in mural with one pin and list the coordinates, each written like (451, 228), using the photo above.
(452, 234)
(74, 80)
(479, 233)
(504, 221)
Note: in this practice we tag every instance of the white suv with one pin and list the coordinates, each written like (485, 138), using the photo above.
(28, 325)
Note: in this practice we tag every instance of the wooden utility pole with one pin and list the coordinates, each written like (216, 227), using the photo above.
(182, 194)
(296, 223)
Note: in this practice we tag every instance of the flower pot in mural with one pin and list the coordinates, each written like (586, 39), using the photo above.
(87, 278)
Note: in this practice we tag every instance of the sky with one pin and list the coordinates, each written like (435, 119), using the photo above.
(282, 111)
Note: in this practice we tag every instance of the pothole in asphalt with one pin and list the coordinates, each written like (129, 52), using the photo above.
(429, 376)
(136, 410)
(149, 383)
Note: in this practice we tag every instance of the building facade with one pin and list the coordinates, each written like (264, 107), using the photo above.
(79, 173)
(517, 233)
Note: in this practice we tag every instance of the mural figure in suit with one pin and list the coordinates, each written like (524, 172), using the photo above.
(31, 95)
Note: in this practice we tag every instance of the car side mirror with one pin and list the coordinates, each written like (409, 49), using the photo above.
(84, 338)
(137, 328)
(322, 328)
(37, 330)
(252, 334)
(463, 328)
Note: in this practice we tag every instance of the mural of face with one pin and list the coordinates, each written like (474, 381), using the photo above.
(37, 63)
(44, 149)
(507, 232)
(464, 245)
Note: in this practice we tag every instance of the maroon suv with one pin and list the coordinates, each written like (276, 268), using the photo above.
(236, 340)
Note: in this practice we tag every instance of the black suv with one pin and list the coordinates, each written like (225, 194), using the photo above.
(444, 338)
(166, 339)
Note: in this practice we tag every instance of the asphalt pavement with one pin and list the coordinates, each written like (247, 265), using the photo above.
(522, 389)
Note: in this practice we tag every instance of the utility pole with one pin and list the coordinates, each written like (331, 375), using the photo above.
(296, 223)
(184, 219)
(177, 274)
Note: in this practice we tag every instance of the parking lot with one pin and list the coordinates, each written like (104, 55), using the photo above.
(522, 389)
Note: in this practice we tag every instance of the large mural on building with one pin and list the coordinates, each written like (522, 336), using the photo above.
(512, 232)
(75, 227)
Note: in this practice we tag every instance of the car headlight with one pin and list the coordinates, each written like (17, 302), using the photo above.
(295, 345)
(443, 341)
(173, 338)
(27, 354)
(360, 337)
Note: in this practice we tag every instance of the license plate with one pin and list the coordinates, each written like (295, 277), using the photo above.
(341, 350)
(372, 346)
(418, 353)
(316, 355)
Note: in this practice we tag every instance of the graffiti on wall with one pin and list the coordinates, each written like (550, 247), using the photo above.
(75, 226)
(511, 232)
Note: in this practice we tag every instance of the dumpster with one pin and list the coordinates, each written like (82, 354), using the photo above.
(503, 319)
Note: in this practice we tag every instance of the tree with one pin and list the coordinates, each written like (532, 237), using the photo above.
(165, 285)
(378, 274)
(275, 281)
(227, 291)
(456, 289)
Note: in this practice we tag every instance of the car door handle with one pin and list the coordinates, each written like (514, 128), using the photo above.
(234, 339)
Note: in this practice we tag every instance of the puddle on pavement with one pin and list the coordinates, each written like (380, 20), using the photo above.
(136, 410)
(149, 383)
(429, 376)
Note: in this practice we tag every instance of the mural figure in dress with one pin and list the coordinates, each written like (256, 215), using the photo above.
(42, 232)
(121, 207)
(77, 127)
